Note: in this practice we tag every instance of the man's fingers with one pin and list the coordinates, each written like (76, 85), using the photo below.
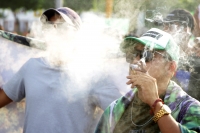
(131, 81)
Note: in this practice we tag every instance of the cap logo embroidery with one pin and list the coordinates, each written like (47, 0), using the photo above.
(153, 34)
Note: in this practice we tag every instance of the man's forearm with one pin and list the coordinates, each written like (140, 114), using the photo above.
(4, 99)
(167, 123)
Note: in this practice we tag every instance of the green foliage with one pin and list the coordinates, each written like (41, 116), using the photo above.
(169, 5)
(26, 4)
(79, 5)
(45, 4)
(85, 5)
(190, 5)
(13, 4)
(97, 5)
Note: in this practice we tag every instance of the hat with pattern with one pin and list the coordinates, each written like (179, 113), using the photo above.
(69, 15)
(155, 39)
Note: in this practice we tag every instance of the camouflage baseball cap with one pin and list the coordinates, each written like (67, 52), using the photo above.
(69, 15)
(155, 39)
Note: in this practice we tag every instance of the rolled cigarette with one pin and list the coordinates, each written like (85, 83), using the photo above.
(132, 68)
(133, 72)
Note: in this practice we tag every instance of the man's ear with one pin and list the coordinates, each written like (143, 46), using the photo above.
(172, 67)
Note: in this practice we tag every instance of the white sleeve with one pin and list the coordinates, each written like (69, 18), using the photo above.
(15, 88)
(104, 94)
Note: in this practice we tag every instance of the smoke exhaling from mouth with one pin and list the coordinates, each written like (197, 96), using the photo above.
(89, 54)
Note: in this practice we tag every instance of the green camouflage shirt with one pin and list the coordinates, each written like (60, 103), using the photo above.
(185, 110)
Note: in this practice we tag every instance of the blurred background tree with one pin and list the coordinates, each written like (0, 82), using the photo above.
(129, 9)
(190, 5)
(169, 5)
(78, 5)
(97, 5)
(27, 4)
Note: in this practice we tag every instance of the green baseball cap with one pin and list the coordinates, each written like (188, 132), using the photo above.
(154, 39)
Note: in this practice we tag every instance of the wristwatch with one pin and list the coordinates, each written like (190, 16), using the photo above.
(165, 110)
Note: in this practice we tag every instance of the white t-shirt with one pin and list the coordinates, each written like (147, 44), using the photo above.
(51, 105)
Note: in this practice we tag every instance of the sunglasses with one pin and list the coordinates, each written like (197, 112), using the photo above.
(148, 55)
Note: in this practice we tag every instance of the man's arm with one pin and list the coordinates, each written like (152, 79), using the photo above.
(4, 99)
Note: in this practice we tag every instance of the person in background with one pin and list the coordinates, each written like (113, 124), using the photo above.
(197, 19)
(51, 105)
(194, 59)
(181, 25)
(194, 81)
(155, 103)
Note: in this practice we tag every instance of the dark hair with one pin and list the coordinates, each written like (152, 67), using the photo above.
(50, 14)
(181, 15)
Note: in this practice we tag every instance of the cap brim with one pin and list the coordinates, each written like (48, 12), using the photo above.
(175, 18)
(136, 39)
(166, 20)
